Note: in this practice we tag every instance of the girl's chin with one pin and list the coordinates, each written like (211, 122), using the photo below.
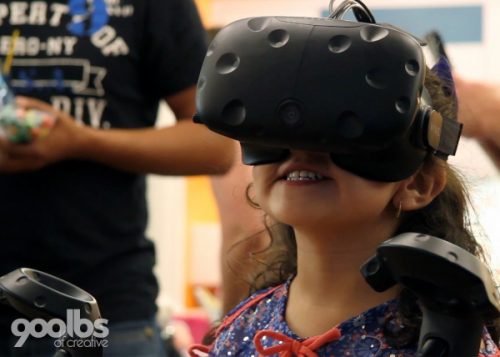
(303, 219)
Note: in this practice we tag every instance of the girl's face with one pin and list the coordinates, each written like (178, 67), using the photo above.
(308, 190)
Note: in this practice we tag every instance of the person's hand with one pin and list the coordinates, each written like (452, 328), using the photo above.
(479, 111)
(478, 108)
(61, 143)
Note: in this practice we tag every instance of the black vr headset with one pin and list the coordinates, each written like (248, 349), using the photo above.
(352, 89)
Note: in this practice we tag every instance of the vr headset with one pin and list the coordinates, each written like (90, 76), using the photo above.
(352, 89)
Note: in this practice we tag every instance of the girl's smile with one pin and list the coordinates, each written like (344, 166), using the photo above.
(309, 189)
(302, 174)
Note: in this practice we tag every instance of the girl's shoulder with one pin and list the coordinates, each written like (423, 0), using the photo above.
(261, 304)
(262, 310)
(241, 323)
(273, 292)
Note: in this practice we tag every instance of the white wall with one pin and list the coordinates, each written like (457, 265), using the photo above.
(167, 217)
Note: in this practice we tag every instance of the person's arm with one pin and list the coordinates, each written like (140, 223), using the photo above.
(479, 111)
(183, 149)
(243, 232)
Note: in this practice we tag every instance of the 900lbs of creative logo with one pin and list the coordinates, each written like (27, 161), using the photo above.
(79, 332)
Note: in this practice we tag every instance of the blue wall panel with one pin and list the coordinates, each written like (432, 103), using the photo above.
(455, 24)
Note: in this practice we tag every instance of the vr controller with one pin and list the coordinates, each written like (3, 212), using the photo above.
(455, 290)
(352, 89)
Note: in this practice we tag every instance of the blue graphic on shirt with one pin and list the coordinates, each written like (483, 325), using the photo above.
(87, 18)
(59, 79)
(27, 75)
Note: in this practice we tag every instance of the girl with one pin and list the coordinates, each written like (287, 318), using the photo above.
(326, 222)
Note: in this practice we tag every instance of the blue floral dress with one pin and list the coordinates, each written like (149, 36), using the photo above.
(257, 327)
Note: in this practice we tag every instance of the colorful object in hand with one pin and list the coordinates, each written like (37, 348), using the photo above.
(25, 125)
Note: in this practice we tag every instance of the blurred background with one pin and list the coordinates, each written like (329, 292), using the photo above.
(184, 221)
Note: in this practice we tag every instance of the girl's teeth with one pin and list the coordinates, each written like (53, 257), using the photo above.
(303, 175)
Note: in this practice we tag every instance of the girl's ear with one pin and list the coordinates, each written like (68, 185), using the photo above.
(420, 189)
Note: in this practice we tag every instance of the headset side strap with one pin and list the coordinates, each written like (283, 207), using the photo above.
(443, 134)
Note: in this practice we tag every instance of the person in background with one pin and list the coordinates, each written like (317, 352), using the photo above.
(479, 110)
(243, 233)
(73, 204)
